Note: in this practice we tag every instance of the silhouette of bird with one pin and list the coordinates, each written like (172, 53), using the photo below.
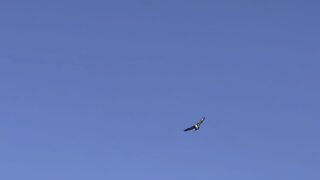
(196, 126)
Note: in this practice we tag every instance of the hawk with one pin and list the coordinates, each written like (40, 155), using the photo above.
(196, 126)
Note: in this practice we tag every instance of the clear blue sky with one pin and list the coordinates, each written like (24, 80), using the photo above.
(103, 90)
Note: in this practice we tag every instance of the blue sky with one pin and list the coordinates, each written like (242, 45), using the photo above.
(103, 90)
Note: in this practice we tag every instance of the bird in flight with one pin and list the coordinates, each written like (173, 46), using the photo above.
(196, 126)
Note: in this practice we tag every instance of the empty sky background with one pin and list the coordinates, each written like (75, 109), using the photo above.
(103, 90)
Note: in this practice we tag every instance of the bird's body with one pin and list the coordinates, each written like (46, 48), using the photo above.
(196, 126)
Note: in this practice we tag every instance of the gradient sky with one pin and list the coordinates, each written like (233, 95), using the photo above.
(102, 90)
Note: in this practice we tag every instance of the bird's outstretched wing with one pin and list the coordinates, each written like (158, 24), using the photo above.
(190, 128)
(201, 121)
